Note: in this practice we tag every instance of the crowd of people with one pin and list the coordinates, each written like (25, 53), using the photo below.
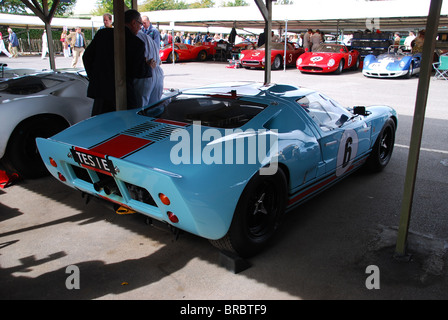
(411, 43)
(144, 75)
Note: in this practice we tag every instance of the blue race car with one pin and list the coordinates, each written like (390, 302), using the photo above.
(393, 64)
(224, 162)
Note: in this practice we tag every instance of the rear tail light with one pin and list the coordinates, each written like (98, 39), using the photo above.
(53, 162)
(173, 218)
(165, 200)
(61, 177)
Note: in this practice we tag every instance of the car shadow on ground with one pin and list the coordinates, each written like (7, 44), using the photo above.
(322, 251)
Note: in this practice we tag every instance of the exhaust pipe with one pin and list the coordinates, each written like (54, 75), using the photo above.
(108, 185)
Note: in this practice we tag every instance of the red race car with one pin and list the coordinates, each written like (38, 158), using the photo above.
(255, 58)
(185, 52)
(329, 58)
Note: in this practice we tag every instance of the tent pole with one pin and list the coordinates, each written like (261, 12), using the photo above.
(417, 125)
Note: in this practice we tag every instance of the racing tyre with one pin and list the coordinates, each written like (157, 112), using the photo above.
(410, 72)
(257, 216)
(22, 155)
(356, 66)
(170, 57)
(382, 150)
(277, 64)
(202, 56)
(340, 67)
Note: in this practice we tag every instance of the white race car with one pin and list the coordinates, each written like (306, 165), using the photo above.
(38, 105)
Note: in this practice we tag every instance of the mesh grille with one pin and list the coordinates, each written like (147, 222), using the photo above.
(151, 131)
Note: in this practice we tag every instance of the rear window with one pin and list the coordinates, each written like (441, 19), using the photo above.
(219, 112)
(28, 84)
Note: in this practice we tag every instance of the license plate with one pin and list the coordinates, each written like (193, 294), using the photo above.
(93, 161)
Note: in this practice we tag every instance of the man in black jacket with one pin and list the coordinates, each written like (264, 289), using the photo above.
(99, 64)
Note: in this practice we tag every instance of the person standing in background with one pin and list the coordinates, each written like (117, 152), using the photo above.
(307, 44)
(64, 43)
(107, 21)
(78, 44)
(150, 30)
(99, 62)
(3, 48)
(44, 44)
(13, 43)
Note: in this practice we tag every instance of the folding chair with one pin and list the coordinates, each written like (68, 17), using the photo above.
(441, 67)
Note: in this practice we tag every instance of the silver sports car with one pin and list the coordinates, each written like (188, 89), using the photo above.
(38, 105)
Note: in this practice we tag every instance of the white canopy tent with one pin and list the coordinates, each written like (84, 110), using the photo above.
(352, 15)
(15, 20)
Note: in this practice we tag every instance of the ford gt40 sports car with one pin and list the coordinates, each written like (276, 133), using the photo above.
(393, 64)
(38, 105)
(256, 58)
(185, 52)
(330, 58)
(223, 161)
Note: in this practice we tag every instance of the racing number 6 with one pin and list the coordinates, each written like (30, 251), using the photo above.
(348, 148)
(348, 152)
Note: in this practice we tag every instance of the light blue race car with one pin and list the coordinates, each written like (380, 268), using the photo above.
(393, 64)
(224, 162)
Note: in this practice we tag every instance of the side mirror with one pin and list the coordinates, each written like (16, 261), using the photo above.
(361, 110)
(341, 50)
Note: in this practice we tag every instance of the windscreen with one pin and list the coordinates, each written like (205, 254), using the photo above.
(330, 48)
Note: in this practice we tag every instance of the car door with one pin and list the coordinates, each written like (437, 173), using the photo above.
(344, 137)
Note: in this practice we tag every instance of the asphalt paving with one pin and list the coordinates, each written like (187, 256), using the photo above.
(340, 245)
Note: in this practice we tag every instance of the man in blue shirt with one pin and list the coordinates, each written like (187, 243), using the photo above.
(78, 44)
(150, 30)
(13, 43)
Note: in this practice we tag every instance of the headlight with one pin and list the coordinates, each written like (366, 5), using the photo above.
(241, 56)
(402, 64)
(330, 62)
(161, 54)
(299, 61)
(366, 62)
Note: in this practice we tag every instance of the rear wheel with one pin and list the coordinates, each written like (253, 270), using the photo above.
(356, 66)
(257, 216)
(22, 155)
(202, 56)
(277, 64)
(170, 57)
(410, 72)
(382, 150)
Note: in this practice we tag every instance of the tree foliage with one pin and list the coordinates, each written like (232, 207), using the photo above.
(156, 5)
(235, 3)
(18, 7)
(107, 6)
(202, 4)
